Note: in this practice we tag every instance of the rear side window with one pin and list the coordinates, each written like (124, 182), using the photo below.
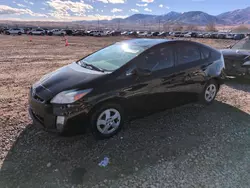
(158, 59)
(187, 53)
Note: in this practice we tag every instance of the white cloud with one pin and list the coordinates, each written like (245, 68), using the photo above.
(116, 10)
(134, 10)
(112, 1)
(141, 5)
(63, 8)
(161, 5)
(147, 1)
(28, 2)
(6, 10)
(20, 5)
(148, 10)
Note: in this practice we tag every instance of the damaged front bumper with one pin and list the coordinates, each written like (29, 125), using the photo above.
(55, 117)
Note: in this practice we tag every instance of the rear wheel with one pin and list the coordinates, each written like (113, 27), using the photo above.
(19, 33)
(107, 120)
(209, 93)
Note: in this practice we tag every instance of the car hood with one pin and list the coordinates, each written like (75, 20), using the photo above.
(68, 77)
(235, 52)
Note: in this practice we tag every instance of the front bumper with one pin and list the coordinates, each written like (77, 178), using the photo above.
(54, 118)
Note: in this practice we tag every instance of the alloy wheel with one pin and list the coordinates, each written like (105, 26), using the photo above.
(108, 121)
(210, 92)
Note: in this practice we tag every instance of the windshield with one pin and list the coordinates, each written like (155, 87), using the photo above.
(112, 57)
(243, 45)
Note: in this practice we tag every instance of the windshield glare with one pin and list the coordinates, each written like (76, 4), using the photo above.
(113, 57)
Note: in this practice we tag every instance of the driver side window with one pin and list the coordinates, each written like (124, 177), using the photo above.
(157, 59)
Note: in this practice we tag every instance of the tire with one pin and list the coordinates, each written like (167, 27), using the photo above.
(209, 92)
(99, 120)
(42, 34)
(19, 33)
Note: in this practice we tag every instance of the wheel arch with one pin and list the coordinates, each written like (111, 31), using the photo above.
(116, 100)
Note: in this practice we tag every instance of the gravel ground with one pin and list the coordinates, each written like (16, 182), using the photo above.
(189, 146)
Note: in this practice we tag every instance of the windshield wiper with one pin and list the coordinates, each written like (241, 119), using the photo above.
(90, 66)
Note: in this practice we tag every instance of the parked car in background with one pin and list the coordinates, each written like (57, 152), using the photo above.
(150, 34)
(221, 36)
(155, 34)
(124, 33)
(239, 36)
(115, 83)
(56, 32)
(177, 34)
(213, 35)
(200, 35)
(229, 36)
(163, 34)
(188, 35)
(78, 33)
(115, 33)
(207, 35)
(237, 59)
(17, 31)
(183, 33)
(68, 31)
(97, 33)
(132, 33)
(144, 34)
(36, 32)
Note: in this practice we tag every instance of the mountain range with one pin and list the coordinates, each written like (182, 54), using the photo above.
(239, 16)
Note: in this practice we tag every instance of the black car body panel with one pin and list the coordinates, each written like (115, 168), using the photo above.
(164, 87)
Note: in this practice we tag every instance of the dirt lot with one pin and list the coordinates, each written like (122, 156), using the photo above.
(189, 146)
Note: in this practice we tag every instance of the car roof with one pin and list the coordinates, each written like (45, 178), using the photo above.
(145, 42)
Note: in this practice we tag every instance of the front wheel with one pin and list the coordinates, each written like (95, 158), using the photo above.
(209, 92)
(107, 120)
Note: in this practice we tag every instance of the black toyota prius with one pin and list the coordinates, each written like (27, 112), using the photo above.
(106, 87)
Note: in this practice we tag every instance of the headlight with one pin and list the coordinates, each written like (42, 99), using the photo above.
(69, 96)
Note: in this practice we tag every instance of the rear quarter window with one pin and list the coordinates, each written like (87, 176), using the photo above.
(187, 53)
(209, 54)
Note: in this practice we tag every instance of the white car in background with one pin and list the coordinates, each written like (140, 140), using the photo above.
(98, 33)
(57, 32)
(14, 31)
(37, 32)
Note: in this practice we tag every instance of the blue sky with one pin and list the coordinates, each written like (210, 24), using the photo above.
(67, 10)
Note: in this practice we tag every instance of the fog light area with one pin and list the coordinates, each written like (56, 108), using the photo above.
(60, 122)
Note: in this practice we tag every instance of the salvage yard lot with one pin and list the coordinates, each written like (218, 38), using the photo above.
(189, 146)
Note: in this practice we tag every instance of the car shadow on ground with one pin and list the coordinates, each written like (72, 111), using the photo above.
(39, 159)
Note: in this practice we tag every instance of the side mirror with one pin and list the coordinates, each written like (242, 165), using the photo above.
(229, 47)
(143, 72)
(246, 64)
